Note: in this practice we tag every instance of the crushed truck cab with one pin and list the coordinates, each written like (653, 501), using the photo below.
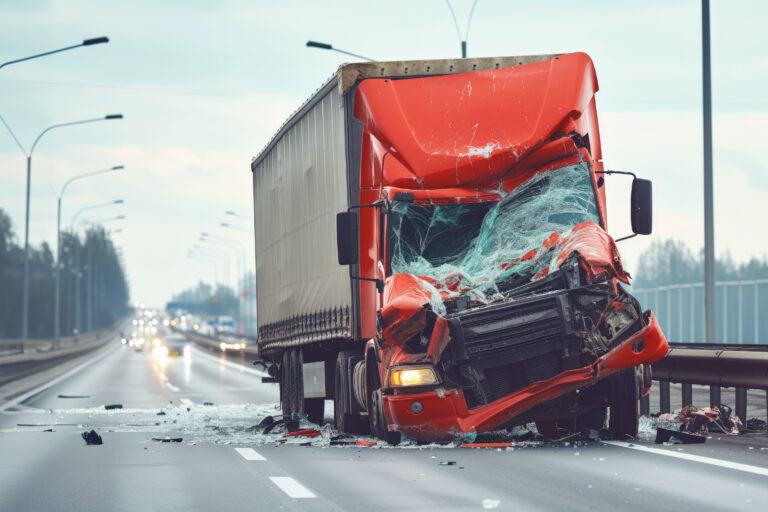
(483, 289)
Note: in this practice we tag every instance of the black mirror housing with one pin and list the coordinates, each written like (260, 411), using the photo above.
(642, 206)
(346, 238)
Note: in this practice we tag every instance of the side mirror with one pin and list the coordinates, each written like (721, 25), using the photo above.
(346, 238)
(642, 206)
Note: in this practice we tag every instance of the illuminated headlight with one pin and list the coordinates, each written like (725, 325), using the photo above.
(140, 341)
(413, 377)
(157, 342)
(160, 352)
(223, 346)
(237, 346)
(123, 341)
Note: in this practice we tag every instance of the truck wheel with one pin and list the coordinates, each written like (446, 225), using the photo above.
(314, 408)
(346, 414)
(376, 417)
(624, 406)
(285, 384)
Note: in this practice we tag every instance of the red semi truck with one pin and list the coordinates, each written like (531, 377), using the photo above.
(432, 253)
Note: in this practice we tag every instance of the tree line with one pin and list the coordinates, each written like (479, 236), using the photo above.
(93, 294)
(671, 262)
(205, 300)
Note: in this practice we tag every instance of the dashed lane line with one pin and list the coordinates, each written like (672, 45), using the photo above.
(291, 487)
(757, 470)
(249, 454)
(172, 387)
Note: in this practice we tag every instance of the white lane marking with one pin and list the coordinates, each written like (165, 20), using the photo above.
(291, 487)
(21, 398)
(694, 458)
(172, 387)
(249, 454)
(187, 402)
(163, 377)
(236, 366)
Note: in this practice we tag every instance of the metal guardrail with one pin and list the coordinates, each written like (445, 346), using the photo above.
(48, 348)
(716, 365)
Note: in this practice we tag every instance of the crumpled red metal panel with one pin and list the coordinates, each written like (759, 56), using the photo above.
(451, 130)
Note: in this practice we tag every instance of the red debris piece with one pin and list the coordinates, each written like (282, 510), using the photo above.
(361, 442)
(486, 445)
(307, 432)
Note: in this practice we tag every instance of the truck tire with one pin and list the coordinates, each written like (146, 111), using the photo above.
(345, 414)
(314, 408)
(285, 384)
(374, 400)
(624, 406)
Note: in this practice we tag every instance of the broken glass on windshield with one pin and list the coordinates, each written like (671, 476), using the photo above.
(487, 243)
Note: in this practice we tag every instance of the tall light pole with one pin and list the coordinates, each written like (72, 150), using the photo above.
(326, 46)
(77, 255)
(220, 254)
(87, 42)
(251, 284)
(192, 254)
(58, 241)
(241, 257)
(28, 154)
(462, 40)
(89, 277)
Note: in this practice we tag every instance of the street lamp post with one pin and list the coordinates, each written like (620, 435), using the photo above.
(77, 256)
(204, 257)
(87, 42)
(462, 40)
(89, 275)
(28, 154)
(240, 248)
(220, 254)
(326, 46)
(58, 242)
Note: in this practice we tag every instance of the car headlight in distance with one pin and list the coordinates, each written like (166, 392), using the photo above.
(157, 342)
(403, 377)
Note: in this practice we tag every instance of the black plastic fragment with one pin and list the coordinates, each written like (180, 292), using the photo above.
(74, 396)
(447, 463)
(161, 413)
(92, 437)
(48, 430)
(113, 406)
(167, 439)
(207, 403)
(663, 435)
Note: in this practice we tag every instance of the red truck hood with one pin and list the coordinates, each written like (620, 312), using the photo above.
(501, 116)
(405, 295)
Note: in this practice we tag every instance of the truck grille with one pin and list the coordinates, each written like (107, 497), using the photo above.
(501, 348)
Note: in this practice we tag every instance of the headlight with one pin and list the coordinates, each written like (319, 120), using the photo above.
(223, 346)
(413, 377)
(160, 352)
(157, 342)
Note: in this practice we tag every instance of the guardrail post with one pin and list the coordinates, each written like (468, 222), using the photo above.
(687, 394)
(714, 396)
(645, 404)
(741, 404)
(664, 397)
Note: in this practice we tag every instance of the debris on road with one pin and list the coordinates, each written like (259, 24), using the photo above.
(168, 439)
(208, 403)
(109, 407)
(447, 463)
(74, 396)
(363, 442)
(709, 419)
(307, 432)
(665, 435)
(48, 430)
(756, 425)
(92, 438)
(161, 413)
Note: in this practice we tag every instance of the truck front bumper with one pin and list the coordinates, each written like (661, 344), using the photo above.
(443, 414)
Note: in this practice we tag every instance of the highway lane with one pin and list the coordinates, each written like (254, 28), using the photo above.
(55, 470)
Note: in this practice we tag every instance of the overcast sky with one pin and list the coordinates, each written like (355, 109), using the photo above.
(204, 85)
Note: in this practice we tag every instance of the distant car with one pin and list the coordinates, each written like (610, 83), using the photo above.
(137, 344)
(175, 344)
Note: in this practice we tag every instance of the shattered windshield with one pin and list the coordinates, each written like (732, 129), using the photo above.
(486, 243)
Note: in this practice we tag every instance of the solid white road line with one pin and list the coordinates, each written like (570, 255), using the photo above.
(187, 402)
(172, 387)
(757, 470)
(21, 398)
(236, 366)
(249, 454)
(291, 487)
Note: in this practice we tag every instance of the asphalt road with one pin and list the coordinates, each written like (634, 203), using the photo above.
(222, 464)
